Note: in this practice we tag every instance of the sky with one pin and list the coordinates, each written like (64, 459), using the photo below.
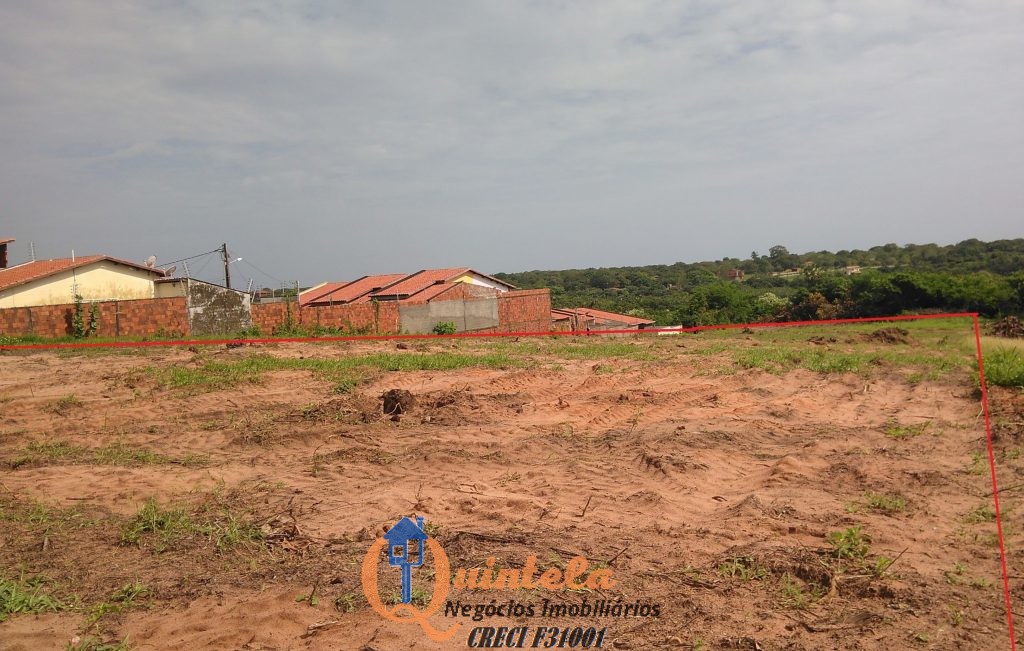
(329, 140)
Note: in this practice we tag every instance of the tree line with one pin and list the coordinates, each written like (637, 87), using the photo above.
(971, 276)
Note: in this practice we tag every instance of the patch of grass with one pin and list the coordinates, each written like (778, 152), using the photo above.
(122, 454)
(90, 643)
(979, 514)
(26, 596)
(851, 543)
(119, 601)
(978, 464)
(888, 504)
(348, 602)
(41, 452)
(895, 430)
(420, 597)
(795, 595)
(344, 372)
(1004, 367)
(168, 526)
(743, 567)
(61, 406)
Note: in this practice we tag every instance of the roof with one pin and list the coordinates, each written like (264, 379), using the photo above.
(601, 315)
(431, 291)
(29, 271)
(350, 292)
(405, 529)
(6, 240)
(313, 293)
(421, 280)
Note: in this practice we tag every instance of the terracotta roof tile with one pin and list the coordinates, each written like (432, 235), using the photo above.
(313, 293)
(420, 281)
(29, 271)
(358, 289)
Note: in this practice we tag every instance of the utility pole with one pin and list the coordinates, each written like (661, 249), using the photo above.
(227, 272)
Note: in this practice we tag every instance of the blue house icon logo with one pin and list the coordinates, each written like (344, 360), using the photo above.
(405, 550)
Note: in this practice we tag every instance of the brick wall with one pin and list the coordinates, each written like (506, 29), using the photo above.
(523, 310)
(138, 318)
(374, 318)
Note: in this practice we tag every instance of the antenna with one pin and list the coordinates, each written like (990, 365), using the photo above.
(185, 264)
(32, 250)
(169, 271)
(151, 261)
(248, 290)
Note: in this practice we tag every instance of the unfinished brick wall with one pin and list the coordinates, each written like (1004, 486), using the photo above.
(523, 310)
(138, 318)
(372, 318)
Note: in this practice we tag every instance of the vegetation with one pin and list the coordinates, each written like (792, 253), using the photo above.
(166, 526)
(1005, 367)
(25, 596)
(345, 372)
(969, 276)
(445, 328)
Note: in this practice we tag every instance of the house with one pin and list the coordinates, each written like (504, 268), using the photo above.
(422, 286)
(405, 550)
(585, 318)
(851, 270)
(58, 281)
(735, 275)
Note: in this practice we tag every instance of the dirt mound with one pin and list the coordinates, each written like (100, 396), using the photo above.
(1009, 326)
(398, 402)
(889, 336)
(454, 407)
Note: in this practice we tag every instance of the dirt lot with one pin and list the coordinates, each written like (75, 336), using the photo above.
(799, 489)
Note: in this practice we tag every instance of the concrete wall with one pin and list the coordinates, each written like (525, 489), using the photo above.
(471, 314)
(139, 318)
(100, 281)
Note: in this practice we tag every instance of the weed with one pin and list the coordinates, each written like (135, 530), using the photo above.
(420, 597)
(96, 644)
(348, 602)
(25, 596)
(119, 601)
(851, 543)
(167, 524)
(62, 405)
(894, 430)
(983, 513)
(508, 478)
(1005, 367)
(743, 567)
(978, 464)
(888, 504)
(38, 452)
(794, 594)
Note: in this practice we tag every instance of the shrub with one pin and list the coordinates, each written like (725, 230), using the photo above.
(445, 328)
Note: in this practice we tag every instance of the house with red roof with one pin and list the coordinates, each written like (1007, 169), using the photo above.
(58, 281)
(420, 287)
(580, 319)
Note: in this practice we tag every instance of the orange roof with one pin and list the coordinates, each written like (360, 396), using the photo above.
(358, 289)
(6, 240)
(420, 281)
(29, 271)
(430, 292)
(601, 315)
(313, 293)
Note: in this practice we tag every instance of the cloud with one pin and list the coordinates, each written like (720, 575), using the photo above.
(328, 140)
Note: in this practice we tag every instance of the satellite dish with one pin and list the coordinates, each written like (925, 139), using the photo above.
(151, 261)
(169, 271)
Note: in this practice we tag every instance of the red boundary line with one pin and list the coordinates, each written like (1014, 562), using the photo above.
(470, 335)
(694, 329)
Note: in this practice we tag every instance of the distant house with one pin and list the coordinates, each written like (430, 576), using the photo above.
(734, 275)
(585, 318)
(419, 287)
(851, 270)
(58, 281)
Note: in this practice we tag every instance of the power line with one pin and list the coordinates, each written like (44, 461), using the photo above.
(246, 261)
(217, 250)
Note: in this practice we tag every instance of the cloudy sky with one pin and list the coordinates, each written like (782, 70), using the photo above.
(326, 140)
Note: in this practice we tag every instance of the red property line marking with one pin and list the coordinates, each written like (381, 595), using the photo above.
(995, 486)
(694, 329)
(475, 335)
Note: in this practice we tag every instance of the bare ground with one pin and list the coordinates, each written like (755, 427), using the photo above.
(710, 493)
